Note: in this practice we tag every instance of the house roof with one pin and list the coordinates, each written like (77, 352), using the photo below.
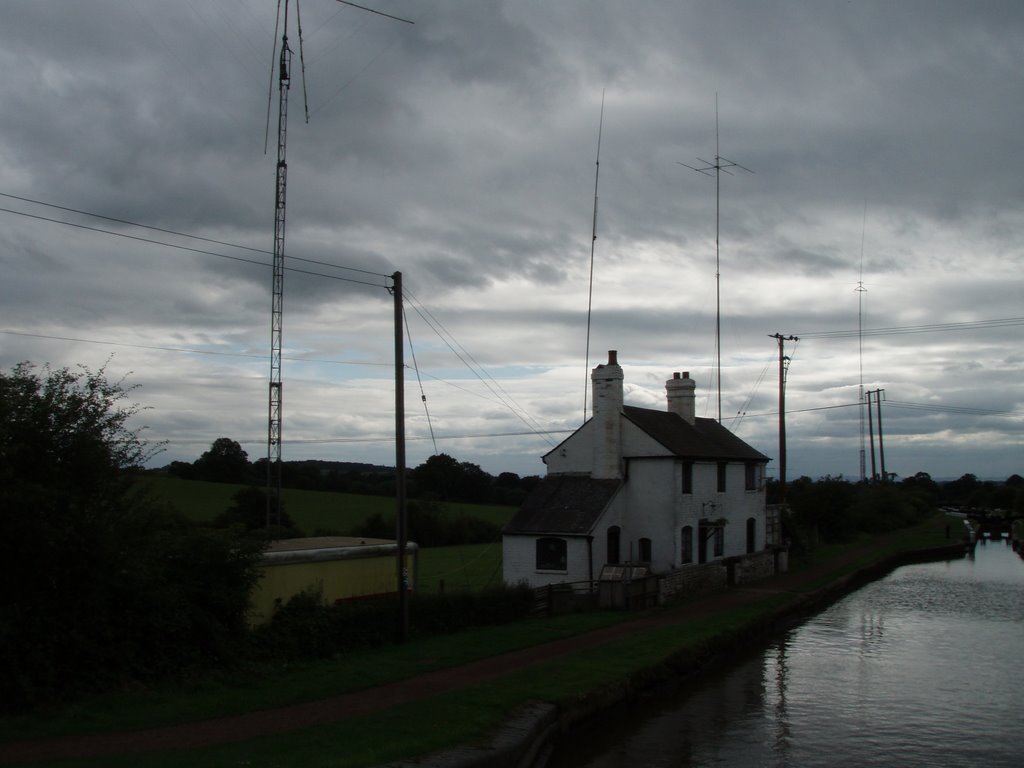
(564, 504)
(704, 439)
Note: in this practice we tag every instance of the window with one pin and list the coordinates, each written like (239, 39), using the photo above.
(719, 540)
(751, 535)
(644, 546)
(751, 477)
(722, 466)
(687, 477)
(551, 554)
(614, 534)
(686, 545)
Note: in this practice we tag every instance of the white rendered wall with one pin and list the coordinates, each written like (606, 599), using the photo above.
(519, 561)
(575, 455)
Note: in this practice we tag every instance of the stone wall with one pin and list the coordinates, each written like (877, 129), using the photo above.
(759, 565)
(708, 577)
(693, 579)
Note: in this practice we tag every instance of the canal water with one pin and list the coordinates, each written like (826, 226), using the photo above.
(924, 667)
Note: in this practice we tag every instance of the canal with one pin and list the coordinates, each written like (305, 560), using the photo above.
(924, 667)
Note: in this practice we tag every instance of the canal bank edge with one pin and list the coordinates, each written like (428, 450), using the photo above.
(528, 738)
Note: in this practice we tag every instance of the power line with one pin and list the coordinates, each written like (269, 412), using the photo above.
(130, 223)
(186, 350)
(947, 408)
(478, 370)
(204, 252)
(897, 404)
(1006, 322)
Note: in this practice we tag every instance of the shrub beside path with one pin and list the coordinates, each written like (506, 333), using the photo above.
(250, 725)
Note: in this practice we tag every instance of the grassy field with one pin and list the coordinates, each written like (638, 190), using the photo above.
(468, 567)
(311, 510)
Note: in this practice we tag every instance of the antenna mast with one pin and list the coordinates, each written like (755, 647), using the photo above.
(593, 242)
(861, 290)
(720, 166)
(277, 287)
(274, 408)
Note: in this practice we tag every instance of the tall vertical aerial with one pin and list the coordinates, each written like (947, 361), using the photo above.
(861, 290)
(721, 165)
(593, 243)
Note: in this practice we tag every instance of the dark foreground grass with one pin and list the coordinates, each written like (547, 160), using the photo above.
(268, 686)
(445, 721)
(466, 716)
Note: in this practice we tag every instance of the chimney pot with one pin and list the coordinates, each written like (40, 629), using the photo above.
(613, 357)
(681, 396)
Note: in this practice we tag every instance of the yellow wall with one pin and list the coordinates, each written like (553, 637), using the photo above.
(334, 579)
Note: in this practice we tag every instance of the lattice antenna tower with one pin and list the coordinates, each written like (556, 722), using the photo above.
(283, 61)
(716, 169)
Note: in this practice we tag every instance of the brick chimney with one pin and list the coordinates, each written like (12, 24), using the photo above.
(681, 397)
(606, 381)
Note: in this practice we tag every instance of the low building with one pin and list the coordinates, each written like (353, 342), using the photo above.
(339, 568)
(636, 485)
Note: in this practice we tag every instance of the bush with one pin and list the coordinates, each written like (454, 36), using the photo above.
(306, 628)
(249, 511)
(101, 584)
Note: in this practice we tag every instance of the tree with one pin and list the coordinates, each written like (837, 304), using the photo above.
(249, 511)
(101, 584)
(442, 477)
(225, 462)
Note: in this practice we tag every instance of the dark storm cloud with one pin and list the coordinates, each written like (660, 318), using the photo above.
(884, 140)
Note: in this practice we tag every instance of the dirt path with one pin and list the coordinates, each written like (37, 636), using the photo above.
(250, 725)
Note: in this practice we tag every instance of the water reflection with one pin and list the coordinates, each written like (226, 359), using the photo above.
(775, 677)
(921, 668)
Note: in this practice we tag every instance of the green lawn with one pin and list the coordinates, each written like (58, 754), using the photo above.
(311, 510)
(467, 567)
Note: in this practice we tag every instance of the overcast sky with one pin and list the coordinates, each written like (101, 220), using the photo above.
(884, 140)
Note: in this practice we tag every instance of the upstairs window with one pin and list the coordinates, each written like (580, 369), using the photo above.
(722, 467)
(687, 477)
(751, 477)
(551, 554)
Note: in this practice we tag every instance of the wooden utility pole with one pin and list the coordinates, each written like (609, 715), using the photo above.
(871, 438)
(783, 360)
(400, 505)
(881, 446)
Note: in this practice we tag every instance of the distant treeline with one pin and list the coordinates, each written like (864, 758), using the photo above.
(439, 478)
(833, 509)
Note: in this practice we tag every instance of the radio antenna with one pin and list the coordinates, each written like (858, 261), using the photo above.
(719, 166)
(593, 242)
(274, 407)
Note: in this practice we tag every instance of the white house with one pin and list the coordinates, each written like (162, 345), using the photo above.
(638, 485)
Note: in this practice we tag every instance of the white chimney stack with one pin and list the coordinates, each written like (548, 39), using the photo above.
(681, 396)
(607, 387)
